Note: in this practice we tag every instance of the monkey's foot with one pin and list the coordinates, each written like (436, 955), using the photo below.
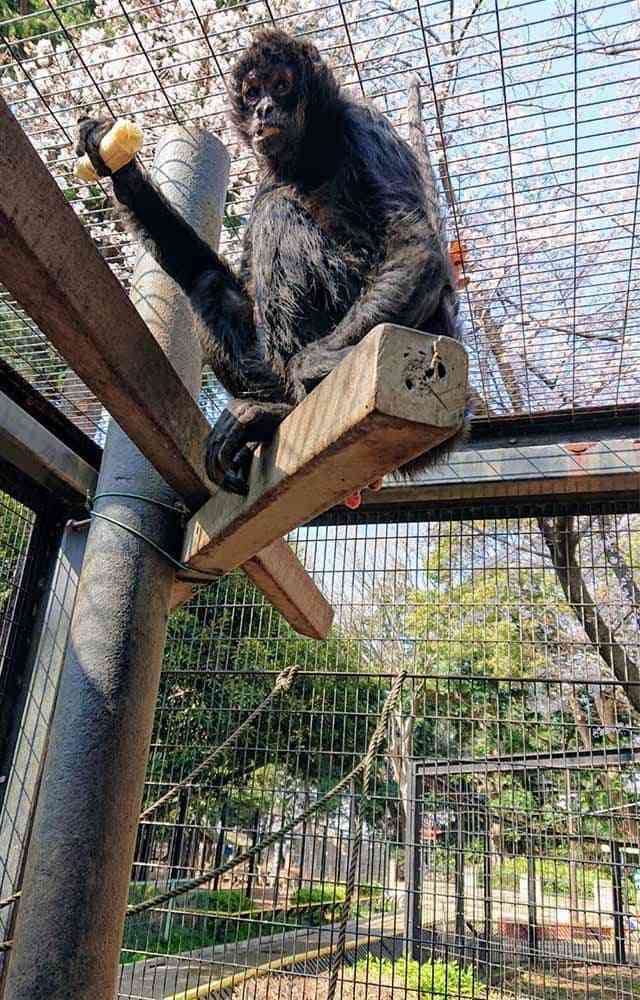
(244, 422)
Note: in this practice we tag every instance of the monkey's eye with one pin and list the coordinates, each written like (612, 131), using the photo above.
(281, 85)
(251, 95)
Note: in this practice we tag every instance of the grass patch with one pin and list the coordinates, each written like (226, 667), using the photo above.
(431, 979)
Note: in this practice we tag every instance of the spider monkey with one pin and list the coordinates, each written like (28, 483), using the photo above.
(341, 237)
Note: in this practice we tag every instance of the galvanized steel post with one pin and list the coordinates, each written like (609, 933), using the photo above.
(69, 927)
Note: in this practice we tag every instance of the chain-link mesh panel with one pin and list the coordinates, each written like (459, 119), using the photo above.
(499, 851)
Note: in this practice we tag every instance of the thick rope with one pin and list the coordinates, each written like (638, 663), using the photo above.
(284, 680)
(366, 764)
(337, 957)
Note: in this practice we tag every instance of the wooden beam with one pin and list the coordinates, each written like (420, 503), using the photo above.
(398, 394)
(50, 264)
(13, 385)
(290, 588)
(41, 456)
(299, 601)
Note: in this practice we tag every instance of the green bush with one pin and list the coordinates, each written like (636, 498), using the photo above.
(369, 898)
(216, 901)
(370, 890)
(554, 875)
(144, 932)
(319, 894)
(430, 979)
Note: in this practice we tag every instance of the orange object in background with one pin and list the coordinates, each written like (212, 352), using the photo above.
(353, 501)
(457, 253)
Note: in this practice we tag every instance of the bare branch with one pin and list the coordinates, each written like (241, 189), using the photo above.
(561, 539)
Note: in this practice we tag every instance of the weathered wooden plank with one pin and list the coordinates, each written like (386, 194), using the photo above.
(396, 395)
(34, 450)
(289, 587)
(52, 267)
(282, 578)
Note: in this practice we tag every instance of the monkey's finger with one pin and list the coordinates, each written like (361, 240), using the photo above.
(234, 482)
(214, 472)
(230, 480)
(227, 461)
(91, 132)
(376, 485)
(232, 445)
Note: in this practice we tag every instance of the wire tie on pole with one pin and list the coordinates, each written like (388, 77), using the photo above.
(176, 508)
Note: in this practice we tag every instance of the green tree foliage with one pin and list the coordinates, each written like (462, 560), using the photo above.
(27, 20)
(224, 653)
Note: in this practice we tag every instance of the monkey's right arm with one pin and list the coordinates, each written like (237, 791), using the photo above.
(230, 340)
(172, 241)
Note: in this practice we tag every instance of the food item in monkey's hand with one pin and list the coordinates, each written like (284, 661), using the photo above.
(117, 148)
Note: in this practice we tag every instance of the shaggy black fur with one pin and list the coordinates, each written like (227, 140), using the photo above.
(341, 237)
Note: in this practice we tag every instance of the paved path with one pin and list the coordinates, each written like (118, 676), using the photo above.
(161, 977)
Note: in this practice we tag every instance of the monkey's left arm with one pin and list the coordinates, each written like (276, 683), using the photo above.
(412, 275)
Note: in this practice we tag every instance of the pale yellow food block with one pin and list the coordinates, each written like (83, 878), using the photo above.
(118, 147)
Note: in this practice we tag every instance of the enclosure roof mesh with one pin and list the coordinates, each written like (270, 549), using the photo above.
(531, 110)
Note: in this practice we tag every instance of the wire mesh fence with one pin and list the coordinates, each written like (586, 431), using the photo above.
(16, 529)
(16, 524)
(500, 839)
(531, 109)
(496, 850)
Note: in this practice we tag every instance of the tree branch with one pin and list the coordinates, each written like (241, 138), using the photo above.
(561, 539)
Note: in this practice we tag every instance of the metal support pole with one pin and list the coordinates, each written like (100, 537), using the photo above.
(413, 864)
(253, 865)
(486, 893)
(70, 921)
(532, 909)
(617, 870)
(459, 885)
(220, 844)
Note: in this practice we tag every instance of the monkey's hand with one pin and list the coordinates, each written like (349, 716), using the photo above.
(310, 365)
(244, 422)
(91, 132)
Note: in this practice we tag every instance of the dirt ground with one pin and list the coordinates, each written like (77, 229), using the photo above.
(278, 987)
(580, 982)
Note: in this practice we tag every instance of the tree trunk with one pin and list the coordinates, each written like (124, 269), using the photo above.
(561, 539)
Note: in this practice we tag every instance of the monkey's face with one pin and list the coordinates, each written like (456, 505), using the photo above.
(280, 92)
(272, 110)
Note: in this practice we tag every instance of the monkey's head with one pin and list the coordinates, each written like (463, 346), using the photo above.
(280, 89)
